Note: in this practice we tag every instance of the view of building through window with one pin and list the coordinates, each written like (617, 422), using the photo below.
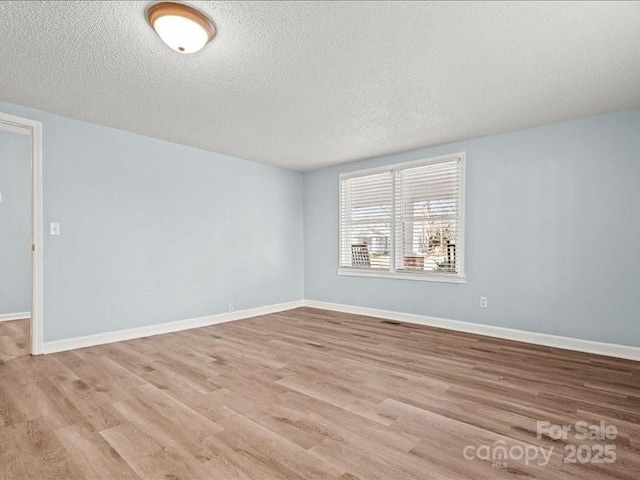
(414, 210)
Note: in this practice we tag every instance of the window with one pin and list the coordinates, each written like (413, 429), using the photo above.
(404, 220)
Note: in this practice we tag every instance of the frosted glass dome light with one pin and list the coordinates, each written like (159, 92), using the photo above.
(183, 28)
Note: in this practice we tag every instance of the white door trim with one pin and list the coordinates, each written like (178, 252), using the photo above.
(33, 129)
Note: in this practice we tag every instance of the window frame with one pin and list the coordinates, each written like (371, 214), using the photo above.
(443, 277)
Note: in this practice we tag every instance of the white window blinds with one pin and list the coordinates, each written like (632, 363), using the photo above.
(428, 217)
(406, 219)
(365, 219)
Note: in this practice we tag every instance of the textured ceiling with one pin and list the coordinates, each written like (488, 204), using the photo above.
(309, 84)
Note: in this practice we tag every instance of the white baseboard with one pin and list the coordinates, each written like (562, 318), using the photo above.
(567, 343)
(168, 327)
(6, 317)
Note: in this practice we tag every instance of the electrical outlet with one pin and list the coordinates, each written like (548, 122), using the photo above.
(230, 307)
(483, 302)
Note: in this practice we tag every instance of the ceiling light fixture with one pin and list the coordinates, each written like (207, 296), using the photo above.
(183, 28)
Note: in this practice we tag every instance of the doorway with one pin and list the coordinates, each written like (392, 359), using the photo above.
(21, 284)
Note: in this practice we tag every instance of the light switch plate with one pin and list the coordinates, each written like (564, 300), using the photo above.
(54, 228)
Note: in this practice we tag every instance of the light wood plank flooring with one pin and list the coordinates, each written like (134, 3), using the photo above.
(307, 394)
(14, 339)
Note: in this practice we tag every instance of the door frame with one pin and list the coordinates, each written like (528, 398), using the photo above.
(33, 129)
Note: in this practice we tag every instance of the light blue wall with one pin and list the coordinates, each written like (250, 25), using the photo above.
(153, 231)
(15, 223)
(553, 234)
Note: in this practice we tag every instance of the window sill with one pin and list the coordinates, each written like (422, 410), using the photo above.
(423, 277)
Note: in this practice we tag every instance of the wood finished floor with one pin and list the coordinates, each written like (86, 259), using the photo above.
(14, 339)
(305, 394)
